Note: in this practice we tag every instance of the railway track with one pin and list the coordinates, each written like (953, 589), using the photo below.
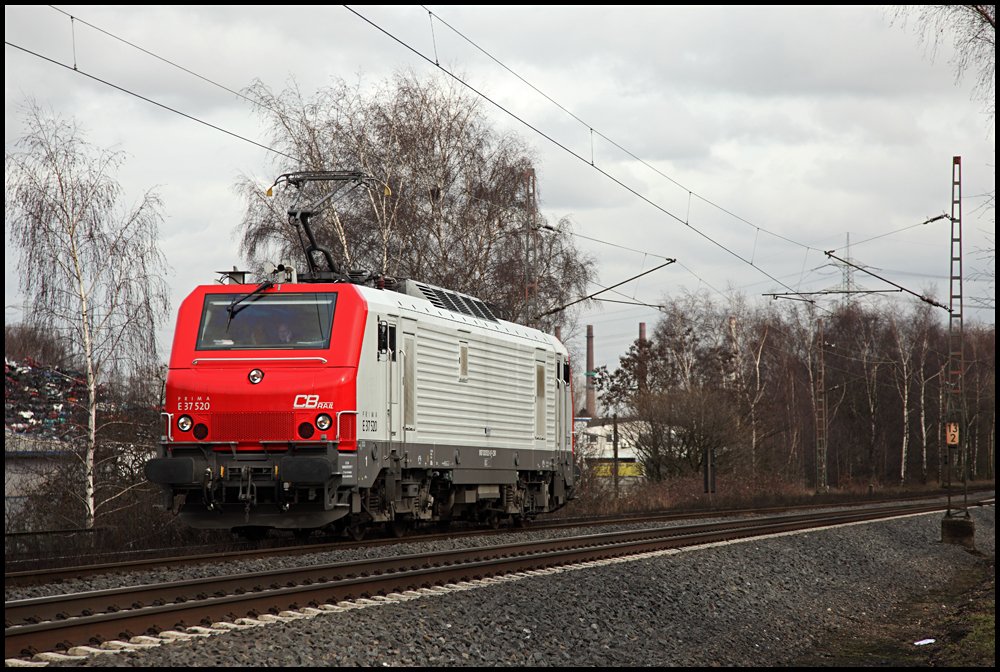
(123, 617)
(32, 571)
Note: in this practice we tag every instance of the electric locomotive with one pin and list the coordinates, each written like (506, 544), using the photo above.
(335, 401)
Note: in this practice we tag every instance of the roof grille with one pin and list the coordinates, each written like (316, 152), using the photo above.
(456, 303)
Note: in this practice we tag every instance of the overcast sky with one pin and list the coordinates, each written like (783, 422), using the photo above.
(741, 141)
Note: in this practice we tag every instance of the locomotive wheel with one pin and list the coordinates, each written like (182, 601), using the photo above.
(399, 527)
(356, 531)
(302, 533)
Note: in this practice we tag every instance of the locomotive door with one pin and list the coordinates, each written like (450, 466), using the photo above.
(541, 401)
(562, 412)
(400, 375)
(408, 377)
(393, 384)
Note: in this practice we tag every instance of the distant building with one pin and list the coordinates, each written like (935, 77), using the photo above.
(595, 443)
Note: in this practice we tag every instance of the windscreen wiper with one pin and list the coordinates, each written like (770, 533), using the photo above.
(235, 306)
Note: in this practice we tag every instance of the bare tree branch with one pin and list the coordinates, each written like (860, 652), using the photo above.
(972, 29)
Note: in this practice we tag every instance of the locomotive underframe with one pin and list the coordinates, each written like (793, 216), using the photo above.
(313, 485)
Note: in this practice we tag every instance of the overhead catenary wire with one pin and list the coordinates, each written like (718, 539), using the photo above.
(569, 151)
(436, 62)
(750, 262)
(908, 291)
(191, 72)
(240, 137)
(151, 101)
(585, 298)
(592, 131)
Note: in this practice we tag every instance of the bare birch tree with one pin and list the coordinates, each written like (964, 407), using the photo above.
(906, 340)
(91, 269)
(748, 334)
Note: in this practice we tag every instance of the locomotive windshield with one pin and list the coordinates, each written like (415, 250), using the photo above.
(267, 321)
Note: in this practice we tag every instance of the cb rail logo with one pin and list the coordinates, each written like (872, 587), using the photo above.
(310, 401)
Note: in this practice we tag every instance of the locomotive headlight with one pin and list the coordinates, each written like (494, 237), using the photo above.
(323, 422)
(184, 423)
(255, 376)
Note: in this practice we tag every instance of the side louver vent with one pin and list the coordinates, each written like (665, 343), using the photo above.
(456, 303)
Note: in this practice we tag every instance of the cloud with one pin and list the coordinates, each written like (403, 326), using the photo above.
(705, 133)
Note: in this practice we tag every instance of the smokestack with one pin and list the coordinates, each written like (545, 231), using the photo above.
(642, 331)
(558, 333)
(591, 393)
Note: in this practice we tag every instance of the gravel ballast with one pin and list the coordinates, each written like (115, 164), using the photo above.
(757, 602)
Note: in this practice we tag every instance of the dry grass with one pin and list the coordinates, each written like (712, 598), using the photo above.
(596, 496)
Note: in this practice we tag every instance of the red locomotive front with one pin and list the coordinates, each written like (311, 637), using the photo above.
(260, 404)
